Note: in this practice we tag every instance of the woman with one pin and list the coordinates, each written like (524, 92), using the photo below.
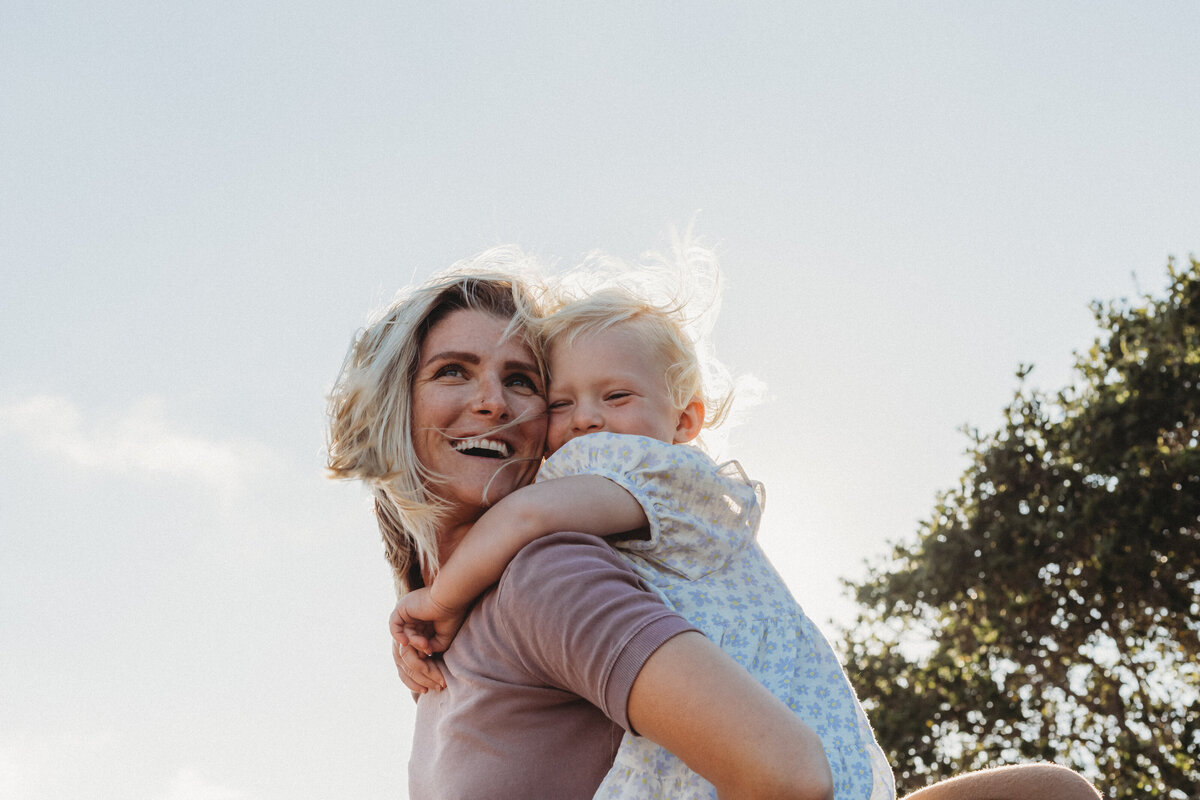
(439, 409)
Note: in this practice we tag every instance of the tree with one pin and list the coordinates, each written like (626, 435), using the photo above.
(1050, 607)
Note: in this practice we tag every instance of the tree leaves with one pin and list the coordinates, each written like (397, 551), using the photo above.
(1048, 608)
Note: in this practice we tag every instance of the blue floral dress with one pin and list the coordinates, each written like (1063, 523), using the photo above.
(703, 559)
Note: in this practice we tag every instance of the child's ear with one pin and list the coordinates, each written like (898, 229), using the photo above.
(691, 421)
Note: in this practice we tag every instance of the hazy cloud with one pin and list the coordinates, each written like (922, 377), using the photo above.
(140, 441)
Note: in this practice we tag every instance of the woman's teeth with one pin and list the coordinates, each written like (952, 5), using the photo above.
(491, 448)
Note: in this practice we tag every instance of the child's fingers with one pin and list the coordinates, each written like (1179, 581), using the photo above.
(397, 627)
(400, 622)
(411, 637)
(419, 642)
(407, 632)
(400, 637)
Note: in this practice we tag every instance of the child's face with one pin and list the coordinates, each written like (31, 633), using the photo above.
(607, 381)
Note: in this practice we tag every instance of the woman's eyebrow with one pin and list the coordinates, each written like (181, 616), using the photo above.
(453, 355)
(520, 365)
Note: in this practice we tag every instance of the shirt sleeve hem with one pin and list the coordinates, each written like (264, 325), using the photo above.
(633, 657)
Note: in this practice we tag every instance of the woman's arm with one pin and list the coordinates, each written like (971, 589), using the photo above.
(696, 701)
(590, 504)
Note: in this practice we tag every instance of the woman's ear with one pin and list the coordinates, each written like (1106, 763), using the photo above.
(691, 421)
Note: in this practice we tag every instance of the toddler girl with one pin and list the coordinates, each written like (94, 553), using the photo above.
(624, 400)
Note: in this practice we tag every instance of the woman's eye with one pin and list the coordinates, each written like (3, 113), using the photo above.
(450, 371)
(523, 382)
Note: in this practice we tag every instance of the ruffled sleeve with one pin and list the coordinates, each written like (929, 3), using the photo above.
(701, 514)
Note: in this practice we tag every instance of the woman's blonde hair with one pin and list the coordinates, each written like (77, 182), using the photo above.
(370, 433)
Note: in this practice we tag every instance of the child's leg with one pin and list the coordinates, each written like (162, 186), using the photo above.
(1021, 782)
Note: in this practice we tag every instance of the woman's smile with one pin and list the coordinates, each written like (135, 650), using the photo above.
(487, 448)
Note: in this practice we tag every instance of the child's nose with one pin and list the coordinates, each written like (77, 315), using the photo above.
(587, 418)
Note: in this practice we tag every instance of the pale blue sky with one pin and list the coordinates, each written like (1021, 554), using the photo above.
(199, 203)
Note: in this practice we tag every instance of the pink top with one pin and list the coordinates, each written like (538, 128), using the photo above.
(538, 678)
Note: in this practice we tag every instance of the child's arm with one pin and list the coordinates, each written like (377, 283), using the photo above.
(428, 619)
(584, 503)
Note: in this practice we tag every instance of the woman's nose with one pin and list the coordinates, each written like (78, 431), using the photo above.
(491, 399)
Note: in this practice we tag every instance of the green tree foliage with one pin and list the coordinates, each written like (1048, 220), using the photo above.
(1050, 607)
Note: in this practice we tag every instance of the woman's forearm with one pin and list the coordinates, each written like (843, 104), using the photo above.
(584, 503)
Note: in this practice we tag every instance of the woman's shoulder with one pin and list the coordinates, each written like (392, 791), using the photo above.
(557, 553)
(563, 565)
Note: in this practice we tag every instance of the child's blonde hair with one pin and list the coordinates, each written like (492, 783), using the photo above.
(668, 323)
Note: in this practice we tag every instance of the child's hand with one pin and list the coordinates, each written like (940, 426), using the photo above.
(422, 622)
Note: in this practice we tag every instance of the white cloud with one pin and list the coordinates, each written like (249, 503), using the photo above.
(139, 441)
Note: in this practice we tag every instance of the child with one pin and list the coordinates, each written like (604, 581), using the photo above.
(623, 373)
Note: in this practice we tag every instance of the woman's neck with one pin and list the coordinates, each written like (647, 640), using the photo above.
(449, 539)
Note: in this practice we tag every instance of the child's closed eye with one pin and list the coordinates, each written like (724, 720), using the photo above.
(559, 405)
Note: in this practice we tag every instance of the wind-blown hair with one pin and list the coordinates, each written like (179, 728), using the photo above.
(370, 435)
(658, 300)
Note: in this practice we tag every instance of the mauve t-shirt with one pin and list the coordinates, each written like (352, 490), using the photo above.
(538, 678)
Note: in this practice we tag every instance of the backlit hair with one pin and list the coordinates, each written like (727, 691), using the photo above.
(370, 435)
(670, 302)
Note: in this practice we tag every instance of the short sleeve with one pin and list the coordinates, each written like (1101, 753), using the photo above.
(579, 619)
(701, 514)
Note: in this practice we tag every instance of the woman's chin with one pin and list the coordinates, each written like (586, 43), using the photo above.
(483, 482)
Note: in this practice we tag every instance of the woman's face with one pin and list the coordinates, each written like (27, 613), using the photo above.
(479, 411)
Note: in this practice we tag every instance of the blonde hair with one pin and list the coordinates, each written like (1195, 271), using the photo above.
(656, 300)
(370, 435)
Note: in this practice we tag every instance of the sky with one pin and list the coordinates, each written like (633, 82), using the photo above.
(201, 203)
